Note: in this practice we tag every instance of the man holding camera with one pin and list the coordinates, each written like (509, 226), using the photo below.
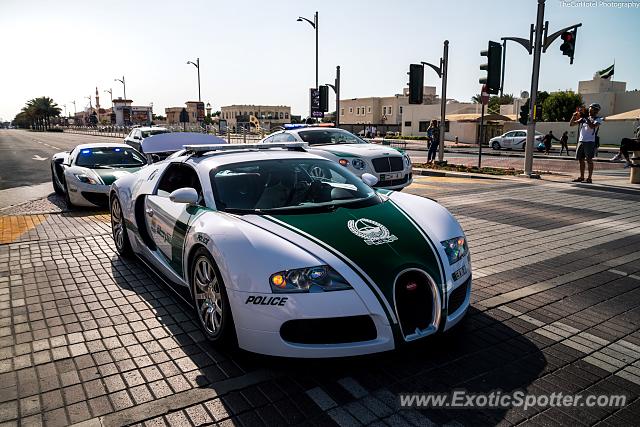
(586, 149)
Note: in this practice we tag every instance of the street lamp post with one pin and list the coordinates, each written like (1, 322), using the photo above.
(110, 92)
(314, 24)
(124, 86)
(74, 108)
(197, 65)
(336, 89)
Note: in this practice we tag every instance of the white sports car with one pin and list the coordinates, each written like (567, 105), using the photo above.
(390, 166)
(85, 174)
(283, 262)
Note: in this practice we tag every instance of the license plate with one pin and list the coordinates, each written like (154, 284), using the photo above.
(389, 176)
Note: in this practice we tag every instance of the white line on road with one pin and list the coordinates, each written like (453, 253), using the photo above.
(36, 157)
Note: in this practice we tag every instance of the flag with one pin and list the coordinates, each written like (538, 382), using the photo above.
(606, 73)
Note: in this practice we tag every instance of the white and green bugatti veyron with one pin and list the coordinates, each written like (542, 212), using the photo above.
(287, 253)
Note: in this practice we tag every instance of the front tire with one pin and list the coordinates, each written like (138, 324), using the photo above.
(495, 145)
(56, 187)
(119, 229)
(210, 301)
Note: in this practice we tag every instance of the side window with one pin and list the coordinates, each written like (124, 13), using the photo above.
(284, 137)
(520, 134)
(509, 134)
(178, 175)
(269, 139)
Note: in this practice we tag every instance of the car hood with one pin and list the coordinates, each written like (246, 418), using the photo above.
(108, 176)
(380, 240)
(358, 150)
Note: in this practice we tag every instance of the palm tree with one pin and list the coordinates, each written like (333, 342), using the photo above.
(39, 112)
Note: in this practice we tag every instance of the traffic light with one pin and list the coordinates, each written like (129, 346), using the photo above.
(416, 83)
(524, 114)
(493, 66)
(568, 45)
(537, 112)
(324, 98)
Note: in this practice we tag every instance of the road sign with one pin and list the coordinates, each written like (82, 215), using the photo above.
(484, 94)
(314, 97)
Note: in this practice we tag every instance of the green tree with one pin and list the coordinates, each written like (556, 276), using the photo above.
(559, 106)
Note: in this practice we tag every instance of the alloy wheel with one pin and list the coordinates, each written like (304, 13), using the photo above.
(208, 297)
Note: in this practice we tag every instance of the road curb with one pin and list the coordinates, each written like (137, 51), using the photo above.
(453, 174)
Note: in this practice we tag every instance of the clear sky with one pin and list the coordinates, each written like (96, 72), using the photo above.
(255, 52)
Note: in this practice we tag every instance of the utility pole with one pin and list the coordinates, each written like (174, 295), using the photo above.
(442, 73)
(536, 46)
(531, 125)
(443, 106)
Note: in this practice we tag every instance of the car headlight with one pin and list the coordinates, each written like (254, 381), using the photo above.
(407, 160)
(358, 164)
(321, 278)
(84, 178)
(455, 248)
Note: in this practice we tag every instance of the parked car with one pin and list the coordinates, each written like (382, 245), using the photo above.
(513, 140)
(286, 263)
(85, 174)
(391, 167)
(137, 135)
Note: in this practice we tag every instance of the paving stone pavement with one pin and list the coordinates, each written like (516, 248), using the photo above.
(87, 337)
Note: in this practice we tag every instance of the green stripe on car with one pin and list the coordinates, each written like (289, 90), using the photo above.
(379, 239)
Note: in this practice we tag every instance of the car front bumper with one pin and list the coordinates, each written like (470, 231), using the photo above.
(91, 195)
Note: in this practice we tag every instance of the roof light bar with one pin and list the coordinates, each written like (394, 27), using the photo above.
(236, 147)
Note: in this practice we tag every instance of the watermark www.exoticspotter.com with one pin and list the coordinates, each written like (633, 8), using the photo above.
(516, 399)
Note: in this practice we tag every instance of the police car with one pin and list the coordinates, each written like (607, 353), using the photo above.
(390, 166)
(85, 174)
(281, 261)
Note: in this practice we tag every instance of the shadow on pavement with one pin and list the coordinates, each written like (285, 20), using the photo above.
(480, 355)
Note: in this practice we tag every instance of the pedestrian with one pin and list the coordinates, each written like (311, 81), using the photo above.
(547, 141)
(564, 145)
(626, 145)
(433, 133)
(588, 121)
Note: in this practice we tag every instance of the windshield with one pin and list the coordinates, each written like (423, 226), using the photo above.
(109, 157)
(287, 184)
(146, 133)
(329, 136)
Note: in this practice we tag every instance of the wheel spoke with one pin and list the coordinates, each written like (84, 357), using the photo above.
(207, 294)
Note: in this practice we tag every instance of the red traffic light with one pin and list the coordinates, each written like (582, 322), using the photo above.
(567, 36)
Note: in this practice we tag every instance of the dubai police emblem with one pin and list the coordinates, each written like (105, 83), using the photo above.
(372, 232)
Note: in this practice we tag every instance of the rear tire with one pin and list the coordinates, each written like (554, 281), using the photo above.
(210, 301)
(119, 229)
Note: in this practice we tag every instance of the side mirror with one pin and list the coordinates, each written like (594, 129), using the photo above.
(369, 179)
(59, 160)
(137, 138)
(186, 195)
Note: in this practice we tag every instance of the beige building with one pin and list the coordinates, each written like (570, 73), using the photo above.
(416, 118)
(612, 96)
(173, 113)
(268, 115)
(380, 110)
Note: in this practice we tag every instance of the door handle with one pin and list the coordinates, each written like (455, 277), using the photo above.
(149, 212)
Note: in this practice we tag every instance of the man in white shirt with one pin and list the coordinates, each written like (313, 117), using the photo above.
(586, 149)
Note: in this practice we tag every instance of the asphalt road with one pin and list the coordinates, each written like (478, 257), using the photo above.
(25, 156)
